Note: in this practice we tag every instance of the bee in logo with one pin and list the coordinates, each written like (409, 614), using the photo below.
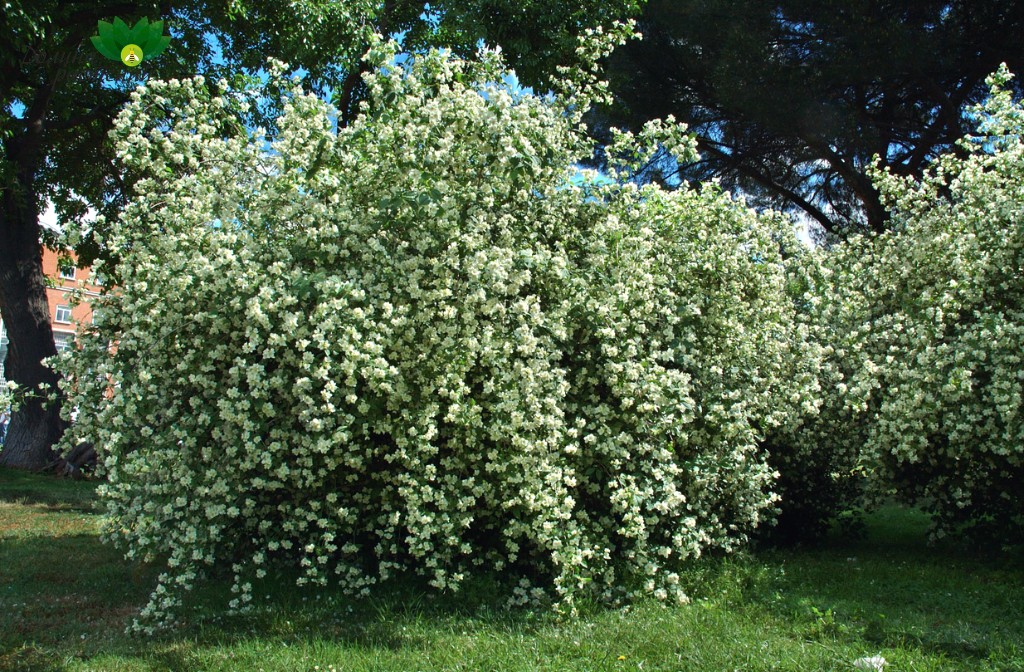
(131, 55)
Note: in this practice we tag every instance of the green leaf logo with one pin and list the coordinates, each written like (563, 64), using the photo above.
(146, 39)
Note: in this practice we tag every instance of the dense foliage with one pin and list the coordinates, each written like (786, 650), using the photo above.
(426, 342)
(819, 472)
(921, 330)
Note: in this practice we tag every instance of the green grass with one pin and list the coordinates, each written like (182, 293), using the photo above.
(65, 599)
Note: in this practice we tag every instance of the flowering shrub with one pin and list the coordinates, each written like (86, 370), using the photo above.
(923, 331)
(947, 327)
(424, 342)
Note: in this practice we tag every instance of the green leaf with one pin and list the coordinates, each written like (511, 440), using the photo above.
(155, 51)
(106, 31)
(121, 33)
(152, 37)
(103, 49)
(139, 32)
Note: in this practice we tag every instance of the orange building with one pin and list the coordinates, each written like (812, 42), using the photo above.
(62, 282)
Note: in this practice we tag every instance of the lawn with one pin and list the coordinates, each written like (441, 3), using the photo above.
(65, 599)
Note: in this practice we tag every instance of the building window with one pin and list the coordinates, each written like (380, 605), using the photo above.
(4, 343)
(67, 272)
(63, 340)
(63, 314)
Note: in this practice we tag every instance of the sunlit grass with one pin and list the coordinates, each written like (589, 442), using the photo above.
(65, 599)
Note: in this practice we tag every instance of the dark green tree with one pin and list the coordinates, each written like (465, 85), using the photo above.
(59, 97)
(793, 99)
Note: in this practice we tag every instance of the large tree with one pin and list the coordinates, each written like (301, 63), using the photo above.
(793, 99)
(59, 97)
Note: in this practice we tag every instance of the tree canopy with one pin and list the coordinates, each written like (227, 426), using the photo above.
(793, 99)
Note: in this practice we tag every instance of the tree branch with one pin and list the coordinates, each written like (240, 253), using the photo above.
(818, 215)
(947, 118)
(348, 88)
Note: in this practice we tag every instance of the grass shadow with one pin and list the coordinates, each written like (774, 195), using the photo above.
(888, 587)
(66, 595)
(47, 491)
(71, 597)
(387, 619)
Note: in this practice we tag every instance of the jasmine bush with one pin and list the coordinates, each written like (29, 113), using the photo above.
(921, 330)
(426, 342)
(941, 366)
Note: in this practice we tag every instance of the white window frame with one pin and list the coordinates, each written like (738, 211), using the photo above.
(4, 348)
(63, 273)
(64, 340)
(57, 312)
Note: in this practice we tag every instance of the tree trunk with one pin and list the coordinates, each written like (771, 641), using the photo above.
(79, 461)
(36, 425)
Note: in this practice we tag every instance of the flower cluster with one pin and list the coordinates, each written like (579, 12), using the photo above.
(421, 343)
